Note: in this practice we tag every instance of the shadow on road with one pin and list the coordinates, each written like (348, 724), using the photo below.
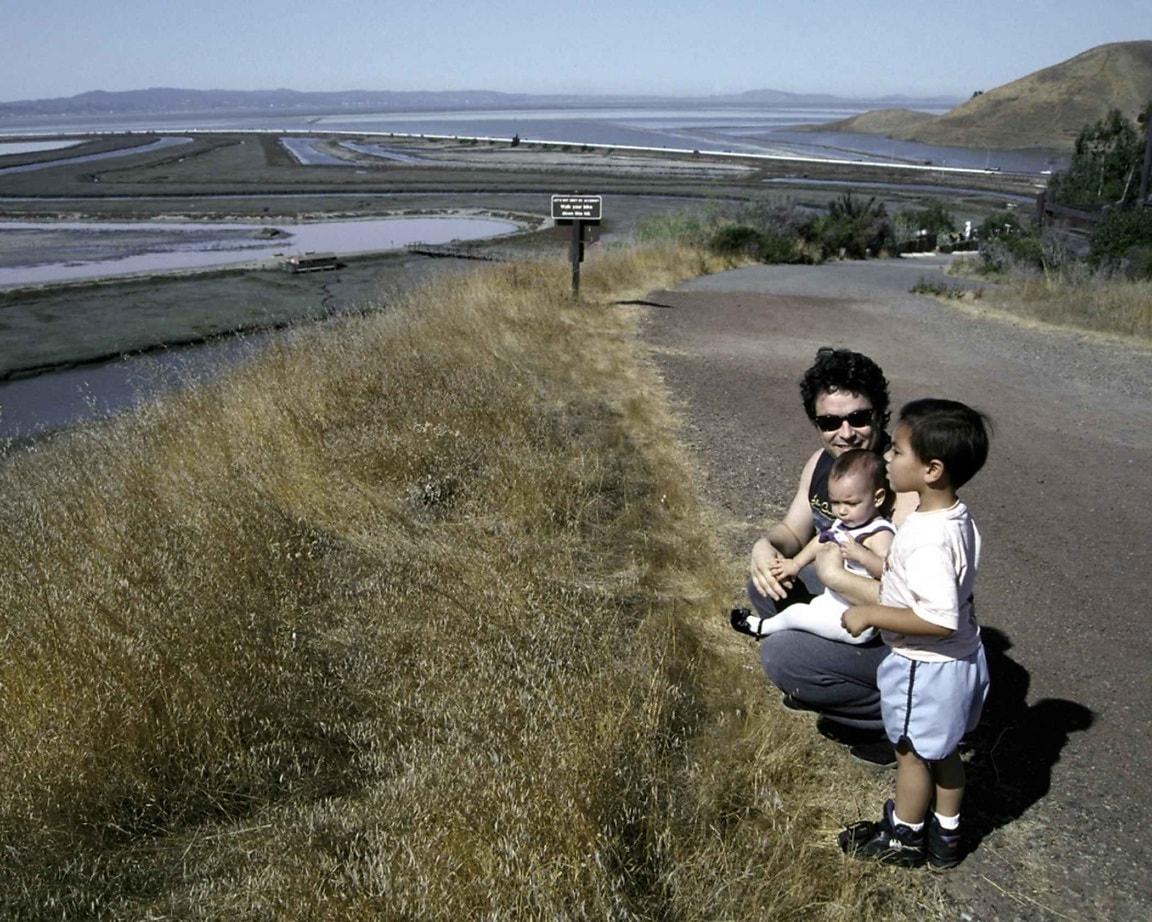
(1016, 745)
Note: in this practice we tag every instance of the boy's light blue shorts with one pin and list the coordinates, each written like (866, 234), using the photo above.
(932, 705)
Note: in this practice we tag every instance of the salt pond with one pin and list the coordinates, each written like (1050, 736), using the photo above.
(37, 253)
(33, 147)
(159, 144)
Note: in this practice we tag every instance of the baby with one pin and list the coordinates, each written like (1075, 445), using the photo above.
(861, 500)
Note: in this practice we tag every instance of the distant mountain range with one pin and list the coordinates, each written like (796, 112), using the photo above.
(1046, 109)
(165, 100)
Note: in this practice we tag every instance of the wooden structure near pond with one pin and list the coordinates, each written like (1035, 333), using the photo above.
(312, 262)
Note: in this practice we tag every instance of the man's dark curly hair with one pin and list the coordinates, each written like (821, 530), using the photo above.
(844, 370)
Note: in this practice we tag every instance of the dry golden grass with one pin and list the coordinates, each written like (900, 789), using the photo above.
(1075, 298)
(414, 616)
(1114, 306)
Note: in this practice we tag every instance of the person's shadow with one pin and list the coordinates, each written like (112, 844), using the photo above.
(1014, 748)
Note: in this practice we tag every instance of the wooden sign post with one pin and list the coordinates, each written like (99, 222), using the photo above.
(579, 211)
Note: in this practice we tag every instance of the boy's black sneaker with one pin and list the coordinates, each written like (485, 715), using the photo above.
(886, 841)
(943, 845)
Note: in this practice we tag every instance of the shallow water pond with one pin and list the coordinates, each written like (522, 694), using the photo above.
(33, 253)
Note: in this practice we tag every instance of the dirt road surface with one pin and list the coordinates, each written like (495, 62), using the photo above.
(1058, 799)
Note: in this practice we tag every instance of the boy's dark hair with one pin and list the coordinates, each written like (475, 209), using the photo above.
(844, 370)
(869, 465)
(950, 432)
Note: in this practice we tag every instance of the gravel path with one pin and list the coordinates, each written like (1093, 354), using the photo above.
(1057, 787)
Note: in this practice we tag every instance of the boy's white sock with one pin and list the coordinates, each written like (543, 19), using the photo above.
(951, 823)
(915, 827)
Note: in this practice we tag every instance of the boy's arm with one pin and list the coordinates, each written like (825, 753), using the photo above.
(857, 619)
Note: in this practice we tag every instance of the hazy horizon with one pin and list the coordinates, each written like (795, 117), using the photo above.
(56, 49)
(526, 94)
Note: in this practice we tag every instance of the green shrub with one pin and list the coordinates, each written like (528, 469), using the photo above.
(737, 240)
(1008, 243)
(935, 220)
(779, 248)
(1121, 241)
(1139, 261)
(942, 289)
(854, 229)
(690, 226)
(767, 247)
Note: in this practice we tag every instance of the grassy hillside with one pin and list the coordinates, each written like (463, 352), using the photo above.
(887, 122)
(1044, 110)
(417, 616)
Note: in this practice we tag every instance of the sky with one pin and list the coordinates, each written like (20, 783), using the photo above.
(852, 48)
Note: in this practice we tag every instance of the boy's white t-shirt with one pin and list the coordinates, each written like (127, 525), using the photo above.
(931, 569)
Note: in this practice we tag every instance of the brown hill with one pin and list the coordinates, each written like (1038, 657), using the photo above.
(1045, 110)
(888, 122)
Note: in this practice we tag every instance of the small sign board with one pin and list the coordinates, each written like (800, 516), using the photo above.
(577, 207)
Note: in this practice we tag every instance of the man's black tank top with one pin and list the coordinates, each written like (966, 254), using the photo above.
(822, 516)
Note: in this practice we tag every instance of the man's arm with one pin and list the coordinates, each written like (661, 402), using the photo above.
(786, 538)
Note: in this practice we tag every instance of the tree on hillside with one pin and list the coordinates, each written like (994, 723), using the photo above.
(1110, 171)
(1105, 165)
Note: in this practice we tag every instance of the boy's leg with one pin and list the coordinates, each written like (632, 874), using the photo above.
(915, 785)
(948, 775)
(943, 839)
(896, 838)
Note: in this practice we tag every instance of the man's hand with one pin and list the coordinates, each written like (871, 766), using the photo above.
(764, 579)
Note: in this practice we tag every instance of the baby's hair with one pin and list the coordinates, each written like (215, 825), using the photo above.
(869, 465)
(950, 432)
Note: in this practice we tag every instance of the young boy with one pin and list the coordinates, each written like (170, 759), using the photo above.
(860, 500)
(934, 680)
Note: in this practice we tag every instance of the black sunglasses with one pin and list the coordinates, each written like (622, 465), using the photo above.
(857, 419)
